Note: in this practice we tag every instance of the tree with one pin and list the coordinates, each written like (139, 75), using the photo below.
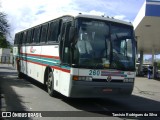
(4, 27)
(4, 31)
(3, 42)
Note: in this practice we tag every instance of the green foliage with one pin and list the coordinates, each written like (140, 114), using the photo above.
(4, 31)
(3, 42)
(4, 27)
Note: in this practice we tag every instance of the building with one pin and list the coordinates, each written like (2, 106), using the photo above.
(5, 55)
(146, 25)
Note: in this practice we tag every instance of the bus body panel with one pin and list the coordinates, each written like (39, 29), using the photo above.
(65, 83)
(35, 59)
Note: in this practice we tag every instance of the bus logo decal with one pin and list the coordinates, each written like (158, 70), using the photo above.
(32, 50)
(109, 79)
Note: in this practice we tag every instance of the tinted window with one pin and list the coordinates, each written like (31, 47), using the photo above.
(37, 34)
(53, 31)
(66, 52)
(16, 39)
(28, 36)
(24, 37)
(44, 33)
(32, 36)
(65, 43)
(67, 32)
(20, 39)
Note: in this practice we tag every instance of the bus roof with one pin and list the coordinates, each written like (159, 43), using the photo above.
(111, 19)
(106, 18)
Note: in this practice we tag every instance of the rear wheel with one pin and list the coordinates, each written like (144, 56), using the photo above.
(20, 75)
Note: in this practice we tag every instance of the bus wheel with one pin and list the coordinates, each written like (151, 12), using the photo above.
(20, 75)
(50, 82)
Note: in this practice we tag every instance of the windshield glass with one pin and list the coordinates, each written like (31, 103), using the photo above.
(122, 47)
(102, 45)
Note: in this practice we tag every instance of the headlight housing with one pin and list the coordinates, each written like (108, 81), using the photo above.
(82, 78)
(128, 80)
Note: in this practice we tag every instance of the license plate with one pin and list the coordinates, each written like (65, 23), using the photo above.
(107, 90)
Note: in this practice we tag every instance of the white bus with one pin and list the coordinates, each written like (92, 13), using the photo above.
(80, 57)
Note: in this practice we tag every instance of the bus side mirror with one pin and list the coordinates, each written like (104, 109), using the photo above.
(71, 33)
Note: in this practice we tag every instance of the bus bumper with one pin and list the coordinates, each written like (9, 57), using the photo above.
(83, 89)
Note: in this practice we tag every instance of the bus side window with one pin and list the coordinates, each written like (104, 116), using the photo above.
(28, 36)
(44, 33)
(16, 39)
(53, 31)
(37, 34)
(32, 36)
(24, 37)
(20, 38)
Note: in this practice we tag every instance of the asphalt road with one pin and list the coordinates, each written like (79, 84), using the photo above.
(26, 95)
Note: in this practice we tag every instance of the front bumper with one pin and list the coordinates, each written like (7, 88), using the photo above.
(83, 89)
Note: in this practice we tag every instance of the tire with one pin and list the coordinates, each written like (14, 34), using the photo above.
(20, 75)
(50, 86)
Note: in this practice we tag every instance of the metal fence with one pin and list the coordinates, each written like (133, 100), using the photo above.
(6, 59)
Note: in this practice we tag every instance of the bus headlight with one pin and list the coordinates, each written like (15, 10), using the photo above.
(82, 78)
(88, 78)
(131, 79)
(128, 80)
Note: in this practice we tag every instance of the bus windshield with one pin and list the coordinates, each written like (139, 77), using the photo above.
(102, 45)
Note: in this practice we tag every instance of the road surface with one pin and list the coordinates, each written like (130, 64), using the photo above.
(26, 95)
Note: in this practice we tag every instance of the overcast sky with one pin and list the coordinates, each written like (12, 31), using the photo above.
(23, 14)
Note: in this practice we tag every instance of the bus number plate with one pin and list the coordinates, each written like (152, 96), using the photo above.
(94, 72)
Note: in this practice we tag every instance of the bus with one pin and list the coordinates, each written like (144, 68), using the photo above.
(83, 56)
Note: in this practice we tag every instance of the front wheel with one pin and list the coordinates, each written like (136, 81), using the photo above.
(50, 84)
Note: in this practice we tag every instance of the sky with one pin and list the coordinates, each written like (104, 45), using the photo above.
(22, 14)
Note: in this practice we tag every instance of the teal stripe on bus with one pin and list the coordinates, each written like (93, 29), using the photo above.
(44, 61)
(62, 68)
